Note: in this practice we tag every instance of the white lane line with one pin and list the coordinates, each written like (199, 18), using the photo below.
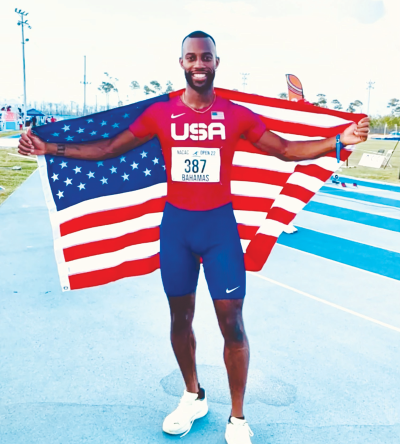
(323, 301)
(32, 158)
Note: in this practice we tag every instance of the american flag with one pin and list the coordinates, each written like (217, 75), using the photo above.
(106, 214)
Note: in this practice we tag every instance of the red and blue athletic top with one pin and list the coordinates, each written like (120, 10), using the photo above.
(193, 182)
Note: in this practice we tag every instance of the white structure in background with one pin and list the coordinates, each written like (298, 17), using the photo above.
(374, 160)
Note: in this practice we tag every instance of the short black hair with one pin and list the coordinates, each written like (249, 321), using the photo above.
(198, 34)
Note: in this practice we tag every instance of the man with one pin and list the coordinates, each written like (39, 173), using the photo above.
(198, 220)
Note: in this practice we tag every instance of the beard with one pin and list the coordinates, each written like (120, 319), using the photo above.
(205, 86)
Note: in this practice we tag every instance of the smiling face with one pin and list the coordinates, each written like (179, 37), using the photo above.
(199, 61)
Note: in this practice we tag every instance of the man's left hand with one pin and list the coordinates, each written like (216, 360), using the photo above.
(356, 133)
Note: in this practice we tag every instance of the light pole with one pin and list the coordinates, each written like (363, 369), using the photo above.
(369, 87)
(84, 86)
(244, 79)
(22, 22)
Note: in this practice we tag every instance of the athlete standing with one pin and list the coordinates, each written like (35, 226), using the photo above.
(198, 132)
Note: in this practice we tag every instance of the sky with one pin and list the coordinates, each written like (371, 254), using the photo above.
(334, 46)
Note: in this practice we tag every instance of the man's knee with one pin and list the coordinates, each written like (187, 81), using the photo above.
(182, 313)
(181, 321)
(232, 329)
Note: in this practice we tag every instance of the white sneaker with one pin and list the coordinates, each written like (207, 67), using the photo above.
(189, 409)
(238, 432)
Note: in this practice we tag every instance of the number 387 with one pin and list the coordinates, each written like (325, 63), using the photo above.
(194, 167)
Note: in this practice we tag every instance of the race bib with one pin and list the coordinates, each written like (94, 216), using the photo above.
(196, 164)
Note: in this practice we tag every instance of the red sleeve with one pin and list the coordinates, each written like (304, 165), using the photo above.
(250, 124)
(146, 123)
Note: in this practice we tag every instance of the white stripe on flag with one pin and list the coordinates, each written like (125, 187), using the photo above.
(327, 163)
(271, 228)
(255, 189)
(262, 161)
(245, 244)
(288, 203)
(112, 202)
(111, 231)
(251, 218)
(108, 260)
(295, 137)
(305, 181)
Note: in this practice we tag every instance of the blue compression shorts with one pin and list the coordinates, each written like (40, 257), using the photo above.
(185, 236)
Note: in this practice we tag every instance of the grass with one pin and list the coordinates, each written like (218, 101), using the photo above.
(12, 179)
(9, 133)
(389, 174)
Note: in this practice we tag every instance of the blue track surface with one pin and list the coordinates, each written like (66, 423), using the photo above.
(362, 196)
(95, 366)
(365, 257)
(372, 220)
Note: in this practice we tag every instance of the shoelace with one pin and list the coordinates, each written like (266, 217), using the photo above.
(183, 403)
(249, 429)
(188, 430)
(246, 425)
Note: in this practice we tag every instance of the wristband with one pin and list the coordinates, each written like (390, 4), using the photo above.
(339, 146)
(60, 149)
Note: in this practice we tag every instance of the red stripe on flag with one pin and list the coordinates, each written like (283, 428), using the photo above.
(109, 217)
(314, 171)
(246, 231)
(281, 215)
(258, 251)
(297, 192)
(111, 245)
(126, 269)
(250, 174)
(251, 203)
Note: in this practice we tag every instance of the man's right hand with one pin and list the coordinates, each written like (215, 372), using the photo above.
(30, 144)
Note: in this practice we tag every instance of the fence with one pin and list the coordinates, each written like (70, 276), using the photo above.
(385, 129)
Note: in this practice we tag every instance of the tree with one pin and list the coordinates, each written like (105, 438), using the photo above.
(283, 96)
(156, 88)
(394, 106)
(321, 101)
(107, 87)
(350, 108)
(357, 103)
(169, 88)
(336, 104)
(134, 85)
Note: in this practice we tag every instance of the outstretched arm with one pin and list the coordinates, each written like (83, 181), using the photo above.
(288, 150)
(102, 149)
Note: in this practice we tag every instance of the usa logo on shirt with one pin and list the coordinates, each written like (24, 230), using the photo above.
(217, 115)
